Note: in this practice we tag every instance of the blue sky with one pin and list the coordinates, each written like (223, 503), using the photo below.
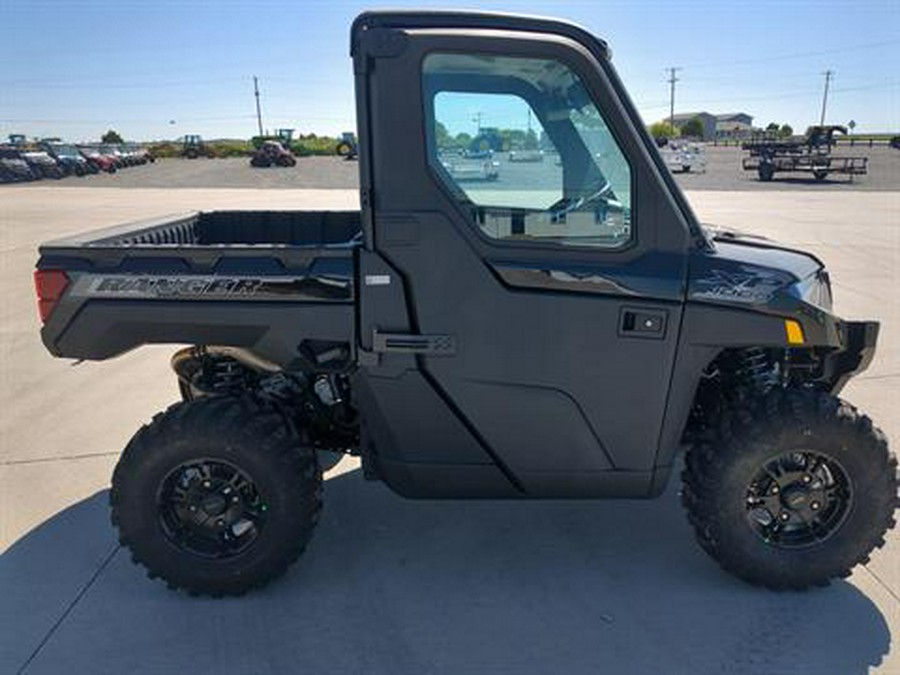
(161, 69)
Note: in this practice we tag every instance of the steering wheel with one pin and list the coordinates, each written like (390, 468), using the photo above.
(567, 205)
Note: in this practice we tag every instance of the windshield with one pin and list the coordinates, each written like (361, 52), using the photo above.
(65, 150)
(612, 167)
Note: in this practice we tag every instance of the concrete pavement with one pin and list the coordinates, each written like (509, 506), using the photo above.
(397, 586)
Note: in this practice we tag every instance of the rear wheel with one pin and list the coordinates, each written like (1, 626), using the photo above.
(766, 172)
(820, 174)
(344, 149)
(791, 490)
(217, 496)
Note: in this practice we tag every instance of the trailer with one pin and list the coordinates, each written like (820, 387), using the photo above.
(683, 157)
(808, 154)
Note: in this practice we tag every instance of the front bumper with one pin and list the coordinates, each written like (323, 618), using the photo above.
(858, 340)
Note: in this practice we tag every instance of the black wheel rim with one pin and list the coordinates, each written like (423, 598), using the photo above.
(211, 509)
(799, 499)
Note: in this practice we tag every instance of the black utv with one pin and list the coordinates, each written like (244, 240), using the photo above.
(68, 157)
(560, 332)
(14, 168)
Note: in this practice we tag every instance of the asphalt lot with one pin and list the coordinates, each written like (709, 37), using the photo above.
(396, 586)
(723, 173)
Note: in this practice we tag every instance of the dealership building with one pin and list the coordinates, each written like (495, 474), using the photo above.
(727, 125)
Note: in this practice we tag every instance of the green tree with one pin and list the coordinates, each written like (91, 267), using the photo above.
(442, 136)
(773, 127)
(693, 128)
(785, 131)
(111, 136)
(663, 130)
(463, 139)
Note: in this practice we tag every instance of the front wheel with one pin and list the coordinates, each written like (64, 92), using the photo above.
(217, 496)
(791, 490)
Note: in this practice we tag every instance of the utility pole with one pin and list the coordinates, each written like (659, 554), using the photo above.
(672, 80)
(828, 75)
(258, 112)
(477, 119)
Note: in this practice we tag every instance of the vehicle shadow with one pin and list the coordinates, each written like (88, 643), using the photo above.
(395, 586)
(799, 180)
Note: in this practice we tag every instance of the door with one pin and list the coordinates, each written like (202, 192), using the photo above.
(511, 194)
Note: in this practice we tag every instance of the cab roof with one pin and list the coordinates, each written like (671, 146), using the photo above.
(475, 20)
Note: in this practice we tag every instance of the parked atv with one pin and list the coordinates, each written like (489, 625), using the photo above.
(98, 161)
(6, 176)
(41, 162)
(68, 157)
(16, 168)
(118, 157)
(272, 153)
(141, 154)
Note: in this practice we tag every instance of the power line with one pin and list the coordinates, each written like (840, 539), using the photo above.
(797, 93)
(796, 55)
(119, 120)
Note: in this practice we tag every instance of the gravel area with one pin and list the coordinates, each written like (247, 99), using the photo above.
(723, 173)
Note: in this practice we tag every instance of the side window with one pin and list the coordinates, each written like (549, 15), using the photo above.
(519, 143)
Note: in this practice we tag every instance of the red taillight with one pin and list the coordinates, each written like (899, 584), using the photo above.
(50, 285)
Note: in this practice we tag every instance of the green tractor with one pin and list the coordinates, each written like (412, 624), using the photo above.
(194, 147)
(347, 147)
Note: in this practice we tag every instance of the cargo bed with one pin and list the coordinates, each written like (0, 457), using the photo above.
(236, 278)
(224, 228)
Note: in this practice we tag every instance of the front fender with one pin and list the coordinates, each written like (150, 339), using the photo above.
(858, 340)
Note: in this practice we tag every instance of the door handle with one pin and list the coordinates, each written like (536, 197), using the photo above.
(642, 323)
(405, 343)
